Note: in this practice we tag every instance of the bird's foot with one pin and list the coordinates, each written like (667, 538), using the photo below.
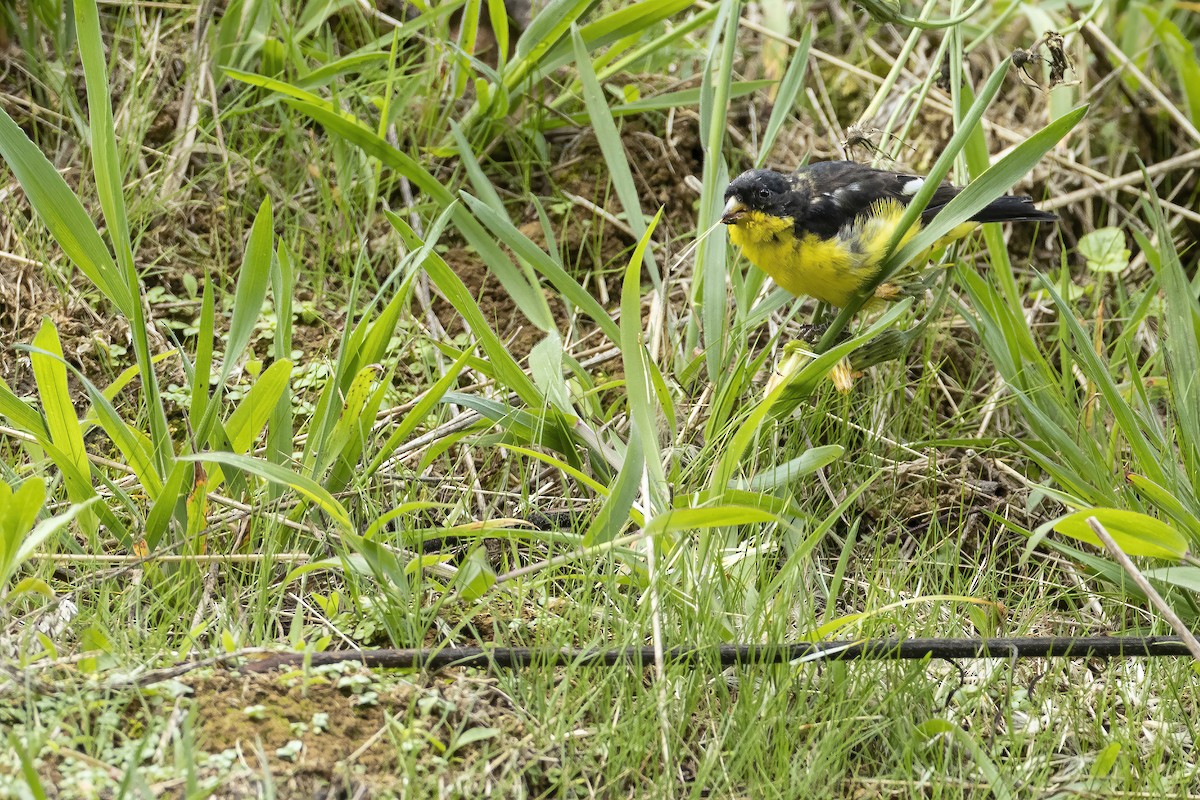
(811, 333)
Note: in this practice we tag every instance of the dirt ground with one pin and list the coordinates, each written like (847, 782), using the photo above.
(325, 733)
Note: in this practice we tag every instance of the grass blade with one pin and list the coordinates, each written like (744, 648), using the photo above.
(993, 183)
(613, 150)
(508, 372)
(62, 214)
(544, 263)
(785, 99)
(253, 278)
(50, 373)
(640, 374)
(712, 252)
(302, 485)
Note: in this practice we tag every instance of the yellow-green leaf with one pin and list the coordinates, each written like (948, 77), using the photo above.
(1136, 533)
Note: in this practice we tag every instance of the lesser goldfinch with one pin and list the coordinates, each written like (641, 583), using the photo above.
(824, 229)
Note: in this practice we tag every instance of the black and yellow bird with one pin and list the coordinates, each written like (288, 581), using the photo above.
(823, 230)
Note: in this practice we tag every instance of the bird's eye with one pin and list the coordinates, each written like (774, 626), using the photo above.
(764, 193)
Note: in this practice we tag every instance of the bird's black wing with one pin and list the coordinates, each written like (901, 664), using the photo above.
(843, 190)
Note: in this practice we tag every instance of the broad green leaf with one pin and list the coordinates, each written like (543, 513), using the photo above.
(18, 512)
(110, 184)
(677, 520)
(202, 369)
(993, 183)
(46, 527)
(169, 502)
(280, 427)
(384, 563)
(1106, 759)
(575, 474)
(1168, 503)
(708, 284)
(640, 374)
(105, 163)
(375, 336)
(347, 427)
(547, 427)
(345, 469)
(1104, 250)
(322, 76)
(20, 414)
(615, 512)
(31, 585)
(1135, 533)
(1185, 577)
(475, 575)
(546, 367)
(135, 447)
(290, 90)
(18, 543)
(251, 414)
(498, 18)
(473, 735)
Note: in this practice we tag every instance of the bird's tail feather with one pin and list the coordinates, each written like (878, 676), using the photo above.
(1013, 209)
(1010, 208)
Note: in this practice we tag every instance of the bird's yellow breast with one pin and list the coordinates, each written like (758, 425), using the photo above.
(832, 270)
(822, 268)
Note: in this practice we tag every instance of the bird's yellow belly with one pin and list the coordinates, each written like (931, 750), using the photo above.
(811, 267)
(821, 268)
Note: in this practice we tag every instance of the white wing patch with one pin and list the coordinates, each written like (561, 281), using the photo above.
(841, 196)
(912, 187)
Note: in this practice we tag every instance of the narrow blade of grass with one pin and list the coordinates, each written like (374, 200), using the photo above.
(785, 98)
(253, 278)
(613, 150)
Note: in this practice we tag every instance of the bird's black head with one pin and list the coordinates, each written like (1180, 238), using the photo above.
(755, 190)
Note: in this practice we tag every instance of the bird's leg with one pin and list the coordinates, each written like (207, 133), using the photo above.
(811, 333)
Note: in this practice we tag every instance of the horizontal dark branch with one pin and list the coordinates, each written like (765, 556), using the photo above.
(864, 650)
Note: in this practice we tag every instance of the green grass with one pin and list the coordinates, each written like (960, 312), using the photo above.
(315, 339)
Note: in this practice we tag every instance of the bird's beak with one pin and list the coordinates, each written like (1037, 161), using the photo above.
(733, 212)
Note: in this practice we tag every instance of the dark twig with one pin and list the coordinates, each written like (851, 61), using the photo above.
(865, 650)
